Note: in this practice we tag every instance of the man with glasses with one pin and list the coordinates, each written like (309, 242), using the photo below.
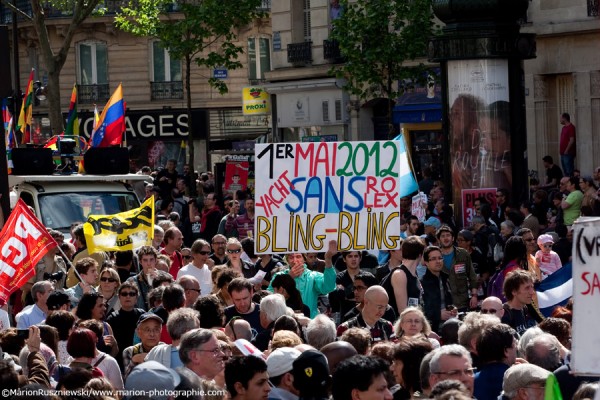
(437, 298)
(219, 243)
(197, 267)
(492, 305)
(148, 329)
(200, 352)
(124, 321)
(371, 316)
(532, 248)
(452, 361)
(191, 287)
(497, 349)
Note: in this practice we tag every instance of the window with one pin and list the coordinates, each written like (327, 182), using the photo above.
(164, 69)
(93, 63)
(259, 58)
(307, 25)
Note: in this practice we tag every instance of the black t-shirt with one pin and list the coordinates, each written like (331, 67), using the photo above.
(554, 172)
(519, 320)
(253, 317)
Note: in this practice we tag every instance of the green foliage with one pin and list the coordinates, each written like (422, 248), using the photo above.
(203, 31)
(377, 38)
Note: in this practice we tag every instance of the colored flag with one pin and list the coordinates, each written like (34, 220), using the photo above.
(128, 230)
(9, 133)
(111, 124)
(408, 183)
(552, 389)
(555, 290)
(24, 122)
(72, 118)
(23, 243)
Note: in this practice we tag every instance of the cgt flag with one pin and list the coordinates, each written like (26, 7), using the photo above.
(24, 241)
(128, 230)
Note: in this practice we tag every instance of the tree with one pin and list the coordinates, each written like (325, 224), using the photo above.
(203, 31)
(376, 53)
(53, 56)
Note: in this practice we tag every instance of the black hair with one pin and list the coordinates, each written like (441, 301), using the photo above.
(357, 372)
(242, 369)
(493, 342)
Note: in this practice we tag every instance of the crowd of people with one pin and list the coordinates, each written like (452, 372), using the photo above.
(451, 314)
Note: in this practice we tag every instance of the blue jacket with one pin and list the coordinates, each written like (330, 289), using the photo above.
(488, 381)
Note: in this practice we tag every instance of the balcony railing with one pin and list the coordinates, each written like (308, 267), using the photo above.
(166, 90)
(299, 53)
(265, 6)
(331, 51)
(593, 6)
(90, 94)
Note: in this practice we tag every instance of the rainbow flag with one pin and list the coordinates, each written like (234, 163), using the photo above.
(9, 134)
(111, 125)
(72, 118)
(26, 111)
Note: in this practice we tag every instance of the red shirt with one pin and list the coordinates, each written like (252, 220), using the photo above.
(568, 132)
(176, 262)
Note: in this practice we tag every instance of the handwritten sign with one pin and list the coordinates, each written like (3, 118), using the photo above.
(586, 295)
(310, 193)
(418, 206)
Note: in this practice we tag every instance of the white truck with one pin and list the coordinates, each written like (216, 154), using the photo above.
(60, 201)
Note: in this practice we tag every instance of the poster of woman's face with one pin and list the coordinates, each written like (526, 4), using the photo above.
(479, 125)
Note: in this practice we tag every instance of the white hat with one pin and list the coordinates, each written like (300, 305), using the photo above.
(281, 360)
(543, 239)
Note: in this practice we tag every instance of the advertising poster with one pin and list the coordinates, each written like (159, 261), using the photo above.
(310, 193)
(479, 123)
(255, 101)
(236, 173)
(468, 201)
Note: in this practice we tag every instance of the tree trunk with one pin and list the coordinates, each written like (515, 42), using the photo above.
(53, 98)
(188, 94)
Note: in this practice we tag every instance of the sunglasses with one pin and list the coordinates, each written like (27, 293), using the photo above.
(111, 280)
(234, 251)
(488, 311)
(204, 253)
(128, 294)
(187, 257)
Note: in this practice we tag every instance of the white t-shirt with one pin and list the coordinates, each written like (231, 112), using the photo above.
(202, 274)
(4, 320)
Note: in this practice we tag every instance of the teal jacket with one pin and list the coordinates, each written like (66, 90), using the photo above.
(311, 285)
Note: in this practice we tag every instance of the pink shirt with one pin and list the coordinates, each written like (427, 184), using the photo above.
(548, 263)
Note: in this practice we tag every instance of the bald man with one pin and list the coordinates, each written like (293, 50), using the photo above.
(336, 352)
(375, 303)
(492, 305)
(191, 286)
(238, 328)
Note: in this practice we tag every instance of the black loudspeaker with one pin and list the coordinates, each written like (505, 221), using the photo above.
(32, 161)
(106, 160)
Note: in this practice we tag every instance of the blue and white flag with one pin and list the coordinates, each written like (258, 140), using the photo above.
(408, 184)
(555, 290)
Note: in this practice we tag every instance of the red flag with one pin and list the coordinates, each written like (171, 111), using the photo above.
(23, 242)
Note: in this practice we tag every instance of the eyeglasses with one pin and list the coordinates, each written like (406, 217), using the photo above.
(128, 294)
(529, 240)
(104, 279)
(488, 311)
(234, 251)
(187, 257)
(457, 372)
(360, 288)
(151, 331)
(204, 253)
(216, 351)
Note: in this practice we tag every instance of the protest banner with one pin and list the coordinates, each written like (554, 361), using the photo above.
(23, 243)
(418, 206)
(586, 295)
(128, 230)
(236, 173)
(468, 201)
(310, 193)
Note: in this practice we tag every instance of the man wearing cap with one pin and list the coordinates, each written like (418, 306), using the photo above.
(279, 368)
(525, 382)
(152, 376)
(311, 375)
(431, 225)
(246, 378)
(461, 274)
(148, 329)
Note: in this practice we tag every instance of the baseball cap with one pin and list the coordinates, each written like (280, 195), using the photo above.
(466, 234)
(311, 373)
(152, 375)
(545, 238)
(280, 361)
(433, 221)
(148, 315)
(56, 300)
(522, 375)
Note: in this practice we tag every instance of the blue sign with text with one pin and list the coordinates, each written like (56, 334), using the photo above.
(220, 73)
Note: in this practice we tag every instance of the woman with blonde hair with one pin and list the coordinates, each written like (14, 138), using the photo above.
(109, 283)
(413, 324)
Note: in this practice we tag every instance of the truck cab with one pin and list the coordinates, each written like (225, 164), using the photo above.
(59, 201)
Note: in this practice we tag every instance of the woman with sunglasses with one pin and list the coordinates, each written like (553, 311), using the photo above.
(197, 267)
(109, 283)
(235, 262)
